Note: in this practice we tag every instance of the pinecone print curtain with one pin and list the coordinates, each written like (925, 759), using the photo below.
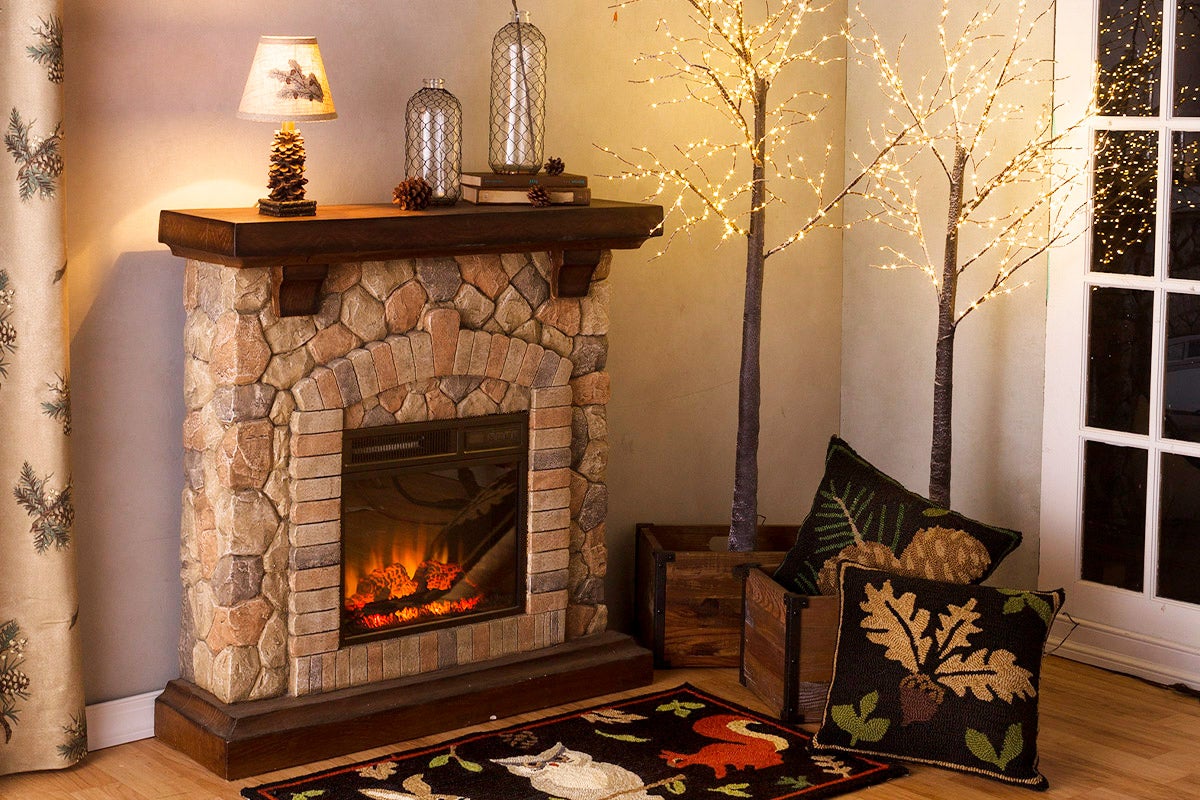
(42, 724)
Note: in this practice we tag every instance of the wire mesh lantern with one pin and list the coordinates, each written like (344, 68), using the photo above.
(433, 140)
(518, 118)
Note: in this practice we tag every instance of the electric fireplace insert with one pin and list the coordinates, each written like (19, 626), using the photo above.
(433, 524)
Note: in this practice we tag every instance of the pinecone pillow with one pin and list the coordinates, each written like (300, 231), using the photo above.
(939, 673)
(863, 516)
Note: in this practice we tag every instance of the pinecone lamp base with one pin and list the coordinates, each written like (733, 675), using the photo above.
(287, 208)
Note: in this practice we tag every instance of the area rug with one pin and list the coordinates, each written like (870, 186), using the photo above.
(679, 743)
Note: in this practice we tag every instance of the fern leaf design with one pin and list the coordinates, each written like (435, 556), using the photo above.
(16, 141)
(48, 51)
(852, 517)
(51, 510)
(59, 406)
(14, 684)
(39, 161)
(297, 85)
(74, 747)
(8, 332)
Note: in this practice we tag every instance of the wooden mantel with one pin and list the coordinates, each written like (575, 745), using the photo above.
(299, 249)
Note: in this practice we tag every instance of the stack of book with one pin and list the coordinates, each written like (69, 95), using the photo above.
(490, 188)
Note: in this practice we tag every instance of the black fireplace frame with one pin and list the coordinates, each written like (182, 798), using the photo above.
(418, 446)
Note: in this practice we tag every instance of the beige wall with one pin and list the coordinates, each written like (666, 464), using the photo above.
(889, 322)
(152, 88)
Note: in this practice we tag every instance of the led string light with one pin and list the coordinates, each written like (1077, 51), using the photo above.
(720, 58)
(986, 71)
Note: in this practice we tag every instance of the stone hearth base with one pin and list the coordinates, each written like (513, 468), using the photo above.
(250, 738)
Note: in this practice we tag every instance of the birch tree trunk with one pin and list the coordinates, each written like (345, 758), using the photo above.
(743, 527)
(943, 370)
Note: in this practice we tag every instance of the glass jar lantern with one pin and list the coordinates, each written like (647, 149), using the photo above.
(518, 108)
(433, 141)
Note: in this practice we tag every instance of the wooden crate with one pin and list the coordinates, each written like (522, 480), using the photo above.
(689, 596)
(788, 642)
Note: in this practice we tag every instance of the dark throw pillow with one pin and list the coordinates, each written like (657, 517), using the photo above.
(862, 515)
(939, 673)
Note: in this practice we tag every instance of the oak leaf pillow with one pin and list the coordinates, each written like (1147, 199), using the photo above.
(939, 673)
(860, 514)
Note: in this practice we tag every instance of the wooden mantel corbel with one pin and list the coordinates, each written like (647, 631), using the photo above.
(299, 250)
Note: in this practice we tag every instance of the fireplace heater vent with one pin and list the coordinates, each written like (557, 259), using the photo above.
(416, 443)
(372, 450)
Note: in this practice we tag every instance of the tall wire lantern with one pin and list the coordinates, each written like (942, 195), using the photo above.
(518, 120)
(433, 140)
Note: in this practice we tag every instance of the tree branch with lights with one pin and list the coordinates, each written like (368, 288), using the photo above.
(1001, 206)
(727, 55)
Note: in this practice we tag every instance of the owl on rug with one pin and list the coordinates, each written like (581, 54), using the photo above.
(573, 775)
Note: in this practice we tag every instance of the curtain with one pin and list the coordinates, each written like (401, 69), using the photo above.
(42, 723)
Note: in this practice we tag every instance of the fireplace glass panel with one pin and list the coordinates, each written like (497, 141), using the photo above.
(433, 525)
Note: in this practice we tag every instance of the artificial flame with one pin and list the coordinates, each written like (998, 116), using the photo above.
(407, 547)
(401, 616)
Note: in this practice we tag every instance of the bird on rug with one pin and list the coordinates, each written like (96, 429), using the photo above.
(573, 775)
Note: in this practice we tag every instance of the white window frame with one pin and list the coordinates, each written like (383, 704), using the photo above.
(1132, 632)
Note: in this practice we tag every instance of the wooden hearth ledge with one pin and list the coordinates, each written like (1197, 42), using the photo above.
(299, 249)
(240, 739)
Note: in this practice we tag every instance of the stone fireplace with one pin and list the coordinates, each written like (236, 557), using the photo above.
(270, 400)
(304, 428)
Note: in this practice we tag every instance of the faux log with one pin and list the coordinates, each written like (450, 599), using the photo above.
(788, 643)
(689, 595)
(242, 739)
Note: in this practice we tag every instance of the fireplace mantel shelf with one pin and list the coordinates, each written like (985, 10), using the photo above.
(299, 249)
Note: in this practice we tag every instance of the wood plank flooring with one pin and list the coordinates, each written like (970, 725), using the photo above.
(1103, 737)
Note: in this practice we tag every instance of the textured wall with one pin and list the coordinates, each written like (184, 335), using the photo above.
(151, 90)
(889, 322)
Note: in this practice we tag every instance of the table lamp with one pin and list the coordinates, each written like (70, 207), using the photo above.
(287, 84)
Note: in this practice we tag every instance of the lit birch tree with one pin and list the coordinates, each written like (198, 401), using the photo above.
(727, 55)
(980, 126)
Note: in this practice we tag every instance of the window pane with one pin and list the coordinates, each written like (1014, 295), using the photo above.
(1185, 206)
(1129, 50)
(1120, 327)
(1187, 58)
(1179, 529)
(1125, 195)
(1114, 515)
(1181, 378)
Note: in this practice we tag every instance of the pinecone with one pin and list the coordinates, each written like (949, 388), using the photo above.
(554, 166)
(286, 177)
(945, 554)
(13, 682)
(60, 514)
(875, 555)
(539, 197)
(920, 698)
(8, 335)
(412, 194)
(47, 160)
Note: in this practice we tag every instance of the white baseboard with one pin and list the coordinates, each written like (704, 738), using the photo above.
(119, 721)
(1100, 645)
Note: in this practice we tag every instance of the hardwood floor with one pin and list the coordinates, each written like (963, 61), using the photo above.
(1103, 737)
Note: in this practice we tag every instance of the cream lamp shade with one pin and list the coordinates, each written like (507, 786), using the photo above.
(287, 82)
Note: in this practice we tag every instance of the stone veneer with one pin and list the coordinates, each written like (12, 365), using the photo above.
(396, 341)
